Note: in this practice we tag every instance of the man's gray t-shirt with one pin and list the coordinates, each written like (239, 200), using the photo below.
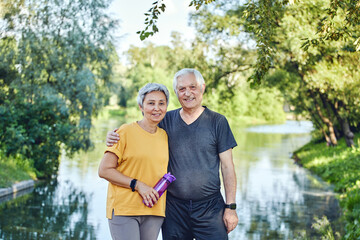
(194, 153)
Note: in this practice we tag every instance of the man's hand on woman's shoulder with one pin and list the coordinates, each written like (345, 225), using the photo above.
(112, 137)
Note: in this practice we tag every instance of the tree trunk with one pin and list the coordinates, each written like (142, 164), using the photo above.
(348, 134)
(319, 125)
(326, 120)
(331, 139)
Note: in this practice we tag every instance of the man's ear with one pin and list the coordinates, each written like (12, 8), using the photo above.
(203, 88)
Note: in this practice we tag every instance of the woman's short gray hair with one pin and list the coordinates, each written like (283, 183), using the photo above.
(199, 78)
(151, 87)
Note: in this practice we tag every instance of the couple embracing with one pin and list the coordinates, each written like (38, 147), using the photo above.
(192, 143)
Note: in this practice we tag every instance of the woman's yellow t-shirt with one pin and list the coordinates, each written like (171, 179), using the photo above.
(143, 156)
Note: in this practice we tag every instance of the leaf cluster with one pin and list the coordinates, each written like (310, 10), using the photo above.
(338, 25)
(56, 63)
(151, 17)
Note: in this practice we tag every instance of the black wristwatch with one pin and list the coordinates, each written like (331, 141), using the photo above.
(232, 206)
(133, 184)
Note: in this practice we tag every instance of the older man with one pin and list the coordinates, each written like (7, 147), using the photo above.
(199, 140)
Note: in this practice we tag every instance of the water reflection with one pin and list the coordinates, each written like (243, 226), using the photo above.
(16, 194)
(52, 211)
(70, 207)
(276, 198)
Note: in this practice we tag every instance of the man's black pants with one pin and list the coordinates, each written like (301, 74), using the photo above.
(187, 219)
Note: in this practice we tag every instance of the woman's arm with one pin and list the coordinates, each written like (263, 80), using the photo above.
(107, 170)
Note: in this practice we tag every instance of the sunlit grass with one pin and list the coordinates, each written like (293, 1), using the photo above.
(340, 166)
(14, 170)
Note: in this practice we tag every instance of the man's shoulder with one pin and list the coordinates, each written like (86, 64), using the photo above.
(168, 119)
(172, 113)
(214, 114)
(174, 110)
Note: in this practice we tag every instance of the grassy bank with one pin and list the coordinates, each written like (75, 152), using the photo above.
(14, 170)
(339, 166)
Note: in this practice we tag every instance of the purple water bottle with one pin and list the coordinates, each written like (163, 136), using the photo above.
(163, 184)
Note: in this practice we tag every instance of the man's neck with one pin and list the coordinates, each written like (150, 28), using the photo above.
(190, 115)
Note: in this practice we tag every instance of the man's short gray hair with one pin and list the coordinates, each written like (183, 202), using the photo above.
(199, 78)
(151, 87)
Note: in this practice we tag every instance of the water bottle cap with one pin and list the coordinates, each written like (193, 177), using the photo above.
(169, 177)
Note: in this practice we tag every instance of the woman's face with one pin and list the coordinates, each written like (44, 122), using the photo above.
(154, 106)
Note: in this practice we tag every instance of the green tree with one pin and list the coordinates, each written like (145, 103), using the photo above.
(324, 76)
(56, 62)
(146, 64)
(226, 62)
(263, 18)
(313, 80)
(225, 73)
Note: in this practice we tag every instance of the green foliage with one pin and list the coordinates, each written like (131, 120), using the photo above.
(14, 169)
(340, 166)
(313, 82)
(329, 163)
(199, 3)
(320, 82)
(228, 66)
(56, 62)
(151, 20)
(152, 15)
(267, 104)
(263, 17)
(227, 90)
(248, 106)
(148, 64)
(341, 17)
(323, 226)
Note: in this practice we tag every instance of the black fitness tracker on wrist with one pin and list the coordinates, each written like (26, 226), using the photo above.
(231, 206)
(132, 184)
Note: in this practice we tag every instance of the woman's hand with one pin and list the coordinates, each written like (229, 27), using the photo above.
(148, 194)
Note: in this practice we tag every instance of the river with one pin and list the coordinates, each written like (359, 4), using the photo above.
(276, 198)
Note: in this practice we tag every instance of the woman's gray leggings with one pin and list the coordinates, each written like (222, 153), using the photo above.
(135, 227)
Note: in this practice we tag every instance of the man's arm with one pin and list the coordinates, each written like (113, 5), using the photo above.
(229, 178)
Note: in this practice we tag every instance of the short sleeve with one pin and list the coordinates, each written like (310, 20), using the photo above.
(225, 137)
(119, 147)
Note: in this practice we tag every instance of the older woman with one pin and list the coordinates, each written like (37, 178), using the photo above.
(133, 166)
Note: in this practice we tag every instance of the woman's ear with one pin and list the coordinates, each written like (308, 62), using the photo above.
(142, 112)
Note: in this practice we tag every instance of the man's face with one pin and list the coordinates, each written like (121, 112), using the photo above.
(189, 92)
